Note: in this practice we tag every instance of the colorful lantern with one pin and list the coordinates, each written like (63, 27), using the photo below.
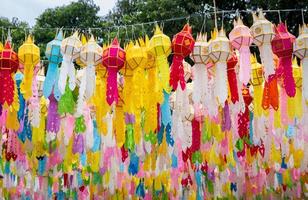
(90, 55)
(160, 48)
(263, 33)
(241, 39)
(182, 45)
(200, 56)
(53, 54)
(300, 50)
(8, 65)
(29, 56)
(113, 60)
(220, 50)
(70, 49)
(282, 46)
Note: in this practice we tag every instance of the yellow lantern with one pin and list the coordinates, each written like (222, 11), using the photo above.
(295, 108)
(160, 47)
(29, 56)
(263, 33)
(257, 83)
(220, 50)
(70, 49)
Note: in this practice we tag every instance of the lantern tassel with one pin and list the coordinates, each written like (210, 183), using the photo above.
(221, 89)
(82, 90)
(6, 87)
(63, 74)
(245, 65)
(90, 85)
(305, 78)
(286, 64)
(267, 60)
(50, 79)
(200, 83)
(112, 89)
(27, 82)
(163, 66)
(177, 72)
(53, 118)
(34, 107)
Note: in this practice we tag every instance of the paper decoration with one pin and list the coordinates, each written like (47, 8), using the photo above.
(300, 46)
(70, 49)
(182, 45)
(263, 33)
(160, 48)
(241, 39)
(282, 45)
(29, 56)
(220, 50)
(8, 66)
(54, 56)
(113, 59)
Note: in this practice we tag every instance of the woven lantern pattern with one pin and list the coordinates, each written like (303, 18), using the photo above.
(113, 59)
(200, 56)
(220, 50)
(160, 48)
(54, 56)
(241, 39)
(70, 49)
(182, 45)
(282, 46)
(8, 65)
(301, 51)
(263, 33)
(29, 56)
(90, 56)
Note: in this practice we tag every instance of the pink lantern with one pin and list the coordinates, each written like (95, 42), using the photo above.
(113, 60)
(241, 39)
(282, 46)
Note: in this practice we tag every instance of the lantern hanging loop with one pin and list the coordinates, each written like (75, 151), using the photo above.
(9, 37)
(203, 27)
(126, 35)
(222, 19)
(303, 20)
(279, 16)
(143, 30)
(162, 25)
(118, 31)
(215, 14)
(187, 19)
(133, 32)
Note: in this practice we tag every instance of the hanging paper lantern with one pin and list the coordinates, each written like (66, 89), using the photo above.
(263, 32)
(282, 46)
(70, 49)
(300, 50)
(90, 55)
(8, 65)
(220, 50)
(1, 46)
(29, 56)
(241, 39)
(113, 60)
(182, 45)
(53, 54)
(160, 48)
(200, 56)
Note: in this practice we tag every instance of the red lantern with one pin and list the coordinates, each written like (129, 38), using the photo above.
(182, 45)
(113, 60)
(282, 46)
(8, 65)
(231, 64)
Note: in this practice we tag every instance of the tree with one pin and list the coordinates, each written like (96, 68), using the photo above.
(79, 15)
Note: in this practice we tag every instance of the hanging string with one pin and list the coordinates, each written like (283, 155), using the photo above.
(303, 16)
(203, 27)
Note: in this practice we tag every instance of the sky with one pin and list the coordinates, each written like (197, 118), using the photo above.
(28, 10)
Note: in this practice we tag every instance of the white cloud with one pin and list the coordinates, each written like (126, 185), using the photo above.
(28, 10)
